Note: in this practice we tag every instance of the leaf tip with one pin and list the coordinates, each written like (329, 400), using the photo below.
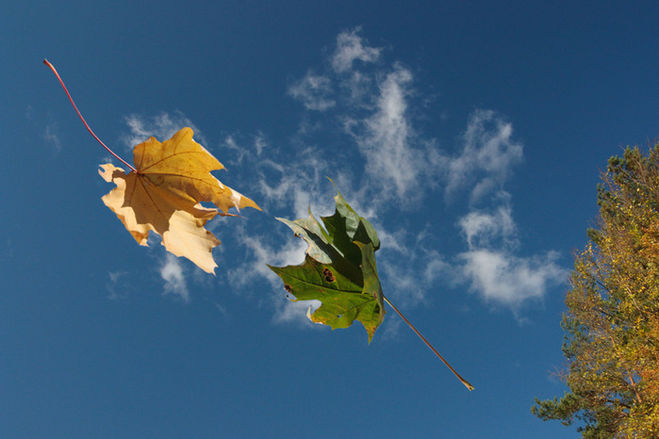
(370, 332)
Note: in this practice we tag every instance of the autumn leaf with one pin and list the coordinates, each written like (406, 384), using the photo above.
(164, 194)
(339, 269)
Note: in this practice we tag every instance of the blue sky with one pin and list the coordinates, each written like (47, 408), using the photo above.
(471, 134)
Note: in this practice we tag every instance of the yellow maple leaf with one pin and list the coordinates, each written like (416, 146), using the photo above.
(164, 195)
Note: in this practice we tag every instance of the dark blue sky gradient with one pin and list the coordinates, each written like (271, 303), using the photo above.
(91, 347)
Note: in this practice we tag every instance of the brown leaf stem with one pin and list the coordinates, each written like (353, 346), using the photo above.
(462, 380)
(46, 62)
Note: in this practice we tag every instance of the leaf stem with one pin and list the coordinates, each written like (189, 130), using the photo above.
(462, 380)
(46, 62)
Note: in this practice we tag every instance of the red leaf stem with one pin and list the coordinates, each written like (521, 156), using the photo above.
(45, 61)
(462, 380)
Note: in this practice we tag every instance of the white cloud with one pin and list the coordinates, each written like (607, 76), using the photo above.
(436, 268)
(487, 156)
(314, 91)
(242, 148)
(161, 126)
(230, 143)
(491, 266)
(117, 284)
(296, 182)
(372, 106)
(349, 47)
(260, 143)
(298, 311)
(399, 167)
(50, 136)
(492, 269)
(481, 228)
(409, 265)
(222, 310)
(291, 254)
(394, 166)
(404, 281)
(390, 241)
(510, 280)
(171, 272)
(358, 86)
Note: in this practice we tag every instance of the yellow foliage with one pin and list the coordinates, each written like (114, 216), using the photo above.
(612, 323)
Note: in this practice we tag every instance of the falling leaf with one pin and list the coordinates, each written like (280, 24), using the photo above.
(339, 269)
(164, 195)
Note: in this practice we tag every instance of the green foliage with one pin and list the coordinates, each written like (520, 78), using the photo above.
(339, 269)
(612, 320)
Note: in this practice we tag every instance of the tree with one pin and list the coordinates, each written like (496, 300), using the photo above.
(612, 320)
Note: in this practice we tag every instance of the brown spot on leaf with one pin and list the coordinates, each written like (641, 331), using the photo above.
(288, 288)
(329, 276)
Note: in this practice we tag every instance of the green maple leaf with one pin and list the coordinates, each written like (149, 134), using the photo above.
(339, 269)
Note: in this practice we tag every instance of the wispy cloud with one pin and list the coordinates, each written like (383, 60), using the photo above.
(296, 182)
(230, 143)
(161, 126)
(260, 143)
(410, 279)
(50, 135)
(242, 146)
(117, 284)
(371, 104)
(291, 254)
(395, 166)
(171, 272)
(314, 91)
(349, 48)
(410, 264)
(487, 157)
(356, 88)
(393, 163)
(481, 228)
(491, 266)
(392, 167)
